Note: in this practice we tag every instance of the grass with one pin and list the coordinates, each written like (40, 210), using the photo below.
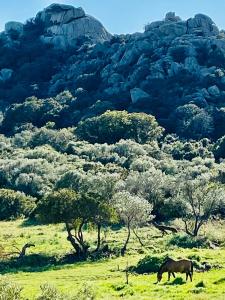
(107, 276)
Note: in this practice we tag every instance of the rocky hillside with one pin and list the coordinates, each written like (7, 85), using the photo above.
(174, 70)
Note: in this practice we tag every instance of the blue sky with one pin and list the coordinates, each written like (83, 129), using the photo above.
(119, 16)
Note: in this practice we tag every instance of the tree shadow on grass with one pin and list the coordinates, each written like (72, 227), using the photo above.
(176, 281)
(30, 223)
(36, 263)
(220, 281)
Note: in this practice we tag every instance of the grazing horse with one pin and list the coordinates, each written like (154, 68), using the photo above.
(171, 266)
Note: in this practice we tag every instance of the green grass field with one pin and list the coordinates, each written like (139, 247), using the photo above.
(107, 277)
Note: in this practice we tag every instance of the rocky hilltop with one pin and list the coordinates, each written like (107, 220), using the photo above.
(63, 24)
(174, 70)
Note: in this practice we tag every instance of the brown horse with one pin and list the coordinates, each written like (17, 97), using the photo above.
(171, 266)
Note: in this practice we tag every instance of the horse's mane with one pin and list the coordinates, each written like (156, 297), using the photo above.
(164, 263)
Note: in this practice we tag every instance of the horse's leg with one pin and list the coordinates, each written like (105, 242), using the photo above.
(190, 275)
(187, 276)
(173, 275)
(169, 276)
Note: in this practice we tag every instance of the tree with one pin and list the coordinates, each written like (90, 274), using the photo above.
(147, 185)
(134, 211)
(190, 121)
(90, 206)
(200, 199)
(96, 210)
(113, 126)
(62, 207)
(15, 204)
(99, 189)
(219, 148)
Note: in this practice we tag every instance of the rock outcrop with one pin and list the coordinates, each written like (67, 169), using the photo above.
(172, 26)
(138, 95)
(64, 24)
(173, 63)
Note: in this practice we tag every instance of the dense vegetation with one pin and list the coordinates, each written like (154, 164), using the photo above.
(79, 163)
(132, 175)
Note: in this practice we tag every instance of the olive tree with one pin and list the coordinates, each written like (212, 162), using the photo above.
(76, 211)
(62, 207)
(198, 200)
(134, 211)
(148, 185)
(97, 191)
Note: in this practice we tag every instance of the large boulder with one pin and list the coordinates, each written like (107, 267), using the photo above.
(138, 95)
(64, 24)
(202, 25)
(214, 91)
(171, 17)
(60, 14)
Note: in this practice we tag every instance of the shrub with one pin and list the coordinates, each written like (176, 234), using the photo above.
(86, 292)
(149, 264)
(15, 204)
(9, 290)
(186, 241)
(113, 126)
(49, 292)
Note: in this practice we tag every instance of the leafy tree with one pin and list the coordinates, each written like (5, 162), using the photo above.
(190, 121)
(62, 207)
(198, 200)
(32, 110)
(94, 209)
(112, 126)
(134, 211)
(76, 211)
(147, 185)
(97, 193)
(15, 204)
(219, 148)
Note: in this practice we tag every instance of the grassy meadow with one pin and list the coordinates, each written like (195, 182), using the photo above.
(106, 277)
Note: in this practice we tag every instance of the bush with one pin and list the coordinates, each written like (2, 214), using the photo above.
(15, 204)
(49, 292)
(149, 264)
(113, 126)
(186, 241)
(9, 290)
(86, 292)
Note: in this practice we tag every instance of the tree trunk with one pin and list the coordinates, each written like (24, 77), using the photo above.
(196, 227)
(80, 240)
(72, 240)
(138, 237)
(123, 250)
(98, 238)
(24, 249)
(187, 230)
